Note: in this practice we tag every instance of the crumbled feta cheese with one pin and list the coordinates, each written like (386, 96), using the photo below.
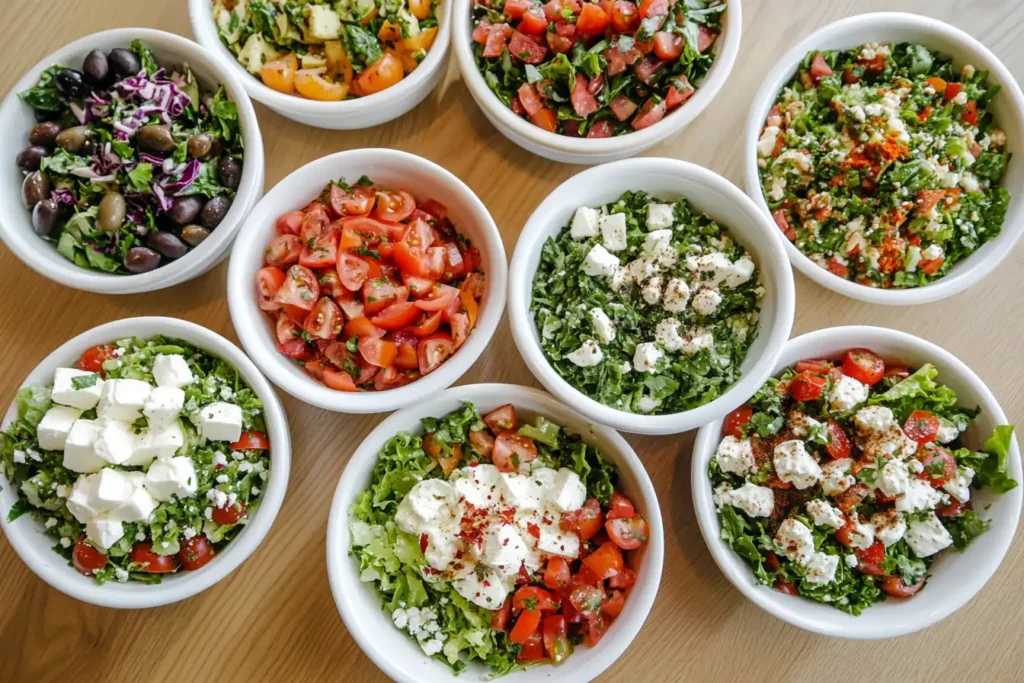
(847, 393)
(646, 357)
(927, 536)
(894, 478)
(651, 291)
(821, 568)
(659, 216)
(599, 262)
(766, 143)
(756, 501)
(794, 540)
(836, 477)
(706, 301)
(947, 431)
(613, 231)
(656, 240)
(698, 341)
(735, 455)
(667, 334)
(889, 526)
(824, 514)
(960, 486)
(794, 465)
(584, 223)
(919, 496)
(603, 327)
(171, 371)
(587, 355)
(677, 294)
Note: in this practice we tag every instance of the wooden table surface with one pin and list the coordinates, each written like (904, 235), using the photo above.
(274, 619)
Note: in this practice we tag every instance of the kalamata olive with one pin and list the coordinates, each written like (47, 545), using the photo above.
(185, 210)
(96, 68)
(194, 234)
(214, 211)
(35, 189)
(30, 158)
(73, 139)
(45, 134)
(45, 115)
(44, 217)
(112, 212)
(230, 172)
(156, 139)
(141, 260)
(124, 63)
(166, 244)
(71, 84)
(200, 145)
(89, 148)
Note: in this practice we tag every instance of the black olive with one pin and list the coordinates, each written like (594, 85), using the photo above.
(230, 172)
(44, 217)
(71, 84)
(167, 244)
(141, 260)
(30, 158)
(214, 211)
(97, 68)
(185, 210)
(124, 63)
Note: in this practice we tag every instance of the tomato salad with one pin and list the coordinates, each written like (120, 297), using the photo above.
(842, 482)
(595, 68)
(370, 289)
(495, 540)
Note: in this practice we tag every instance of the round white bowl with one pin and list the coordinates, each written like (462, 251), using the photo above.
(392, 650)
(586, 151)
(1008, 107)
(387, 168)
(707, 192)
(16, 118)
(26, 536)
(363, 112)
(956, 577)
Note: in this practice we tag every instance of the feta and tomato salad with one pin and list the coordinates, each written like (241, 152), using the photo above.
(369, 288)
(327, 51)
(495, 540)
(646, 305)
(595, 68)
(145, 458)
(883, 164)
(842, 482)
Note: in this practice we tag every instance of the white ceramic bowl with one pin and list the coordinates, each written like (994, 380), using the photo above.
(956, 577)
(707, 192)
(1008, 107)
(392, 650)
(571, 150)
(17, 120)
(363, 112)
(387, 168)
(26, 537)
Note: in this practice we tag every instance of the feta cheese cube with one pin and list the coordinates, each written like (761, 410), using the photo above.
(482, 586)
(567, 492)
(821, 568)
(613, 231)
(766, 143)
(79, 448)
(742, 270)
(947, 431)
(647, 403)
(520, 492)
(429, 501)
(553, 541)
(889, 526)
(646, 357)
(603, 327)
(104, 532)
(861, 535)
(667, 334)
(756, 501)
(893, 479)
(794, 465)
(657, 240)
(847, 394)
(138, 508)
(84, 396)
(115, 442)
(735, 455)
(836, 477)
(220, 421)
(824, 514)
(651, 291)
(587, 355)
(698, 341)
(171, 371)
(640, 269)
(660, 216)
(599, 262)
(479, 485)
(504, 550)
(794, 540)
(112, 488)
(170, 478)
(960, 486)
(706, 301)
(82, 502)
(123, 399)
(677, 294)
(919, 496)
(584, 223)
(52, 431)
(927, 536)
(164, 404)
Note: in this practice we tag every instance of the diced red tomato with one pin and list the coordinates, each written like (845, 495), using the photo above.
(705, 37)
(546, 118)
(606, 561)
(339, 380)
(433, 351)
(231, 514)
(736, 420)
(500, 616)
(533, 649)
(863, 365)
(325, 320)
(251, 440)
(585, 522)
(93, 358)
(601, 129)
(361, 327)
(583, 102)
(806, 386)
(530, 99)
(894, 586)
(970, 114)
(667, 45)
(624, 580)
(526, 50)
(378, 352)
(526, 625)
(394, 206)
(482, 442)
(628, 534)
(283, 251)
(501, 419)
(625, 16)
(357, 201)
(931, 266)
(592, 20)
(939, 464)
(819, 68)
(622, 107)
(613, 604)
(425, 263)
(679, 90)
(290, 223)
(556, 642)
(620, 507)
(586, 599)
(533, 598)
(300, 289)
(557, 574)
(838, 446)
(495, 40)
(511, 450)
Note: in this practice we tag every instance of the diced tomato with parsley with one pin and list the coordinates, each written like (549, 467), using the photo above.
(368, 287)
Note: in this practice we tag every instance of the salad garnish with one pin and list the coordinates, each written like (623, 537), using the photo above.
(884, 165)
(843, 482)
(132, 163)
(146, 458)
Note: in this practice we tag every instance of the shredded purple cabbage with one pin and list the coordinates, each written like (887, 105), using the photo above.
(156, 92)
(62, 195)
(185, 178)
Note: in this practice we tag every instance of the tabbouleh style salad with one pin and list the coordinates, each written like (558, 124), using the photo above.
(842, 483)
(883, 164)
(146, 458)
(324, 50)
(131, 164)
(494, 541)
(646, 306)
(595, 69)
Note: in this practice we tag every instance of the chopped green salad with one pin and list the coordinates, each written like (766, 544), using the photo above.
(145, 458)
(842, 484)
(884, 164)
(646, 305)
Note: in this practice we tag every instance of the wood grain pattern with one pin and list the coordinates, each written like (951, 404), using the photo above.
(274, 618)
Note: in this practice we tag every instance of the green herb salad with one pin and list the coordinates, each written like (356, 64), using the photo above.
(842, 483)
(646, 305)
(145, 458)
(505, 564)
(884, 164)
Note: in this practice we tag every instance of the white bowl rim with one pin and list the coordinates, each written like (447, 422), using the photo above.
(964, 275)
(185, 585)
(205, 31)
(339, 562)
(276, 366)
(198, 260)
(725, 59)
(845, 626)
(523, 325)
